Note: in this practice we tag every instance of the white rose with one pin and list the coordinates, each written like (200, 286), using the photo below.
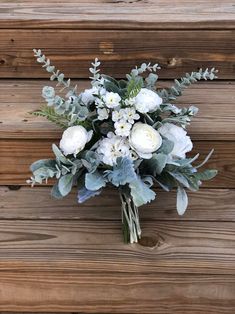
(147, 101)
(74, 139)
(176, 134)
(144, 139)
(111, 99)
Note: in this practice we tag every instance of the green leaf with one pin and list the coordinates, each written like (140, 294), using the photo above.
(134, 86)
(206, 175)
(65, 184)
(55, 192)
(141, 193)
(166, 147)
(206, 159)
(59, 155)
(156, 164)
(180, 178)
(123, 172)
(110, 79)
(111, 87)
(182, 200)
(94, 181)
(84, 194)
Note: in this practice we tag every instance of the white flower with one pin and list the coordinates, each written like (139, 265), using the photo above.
(118, 115)
(147, 101)
(144, 139)
(131, 115)
(103, 113)
(74, 139)
(176, 134)
(130, 102)
(122, 128)
(111, 99)
(112, 147)
(99, 103)
(88, 97)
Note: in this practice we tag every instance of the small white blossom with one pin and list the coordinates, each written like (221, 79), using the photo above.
(103, 113)
(122, 128)
(112, 147)
(74, 139)
(111, 99)
(99, 103)
(131, 115)
(117, 115)
(130, 102)
(147, 101)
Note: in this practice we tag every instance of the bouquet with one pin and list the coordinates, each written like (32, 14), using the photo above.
(125, 133)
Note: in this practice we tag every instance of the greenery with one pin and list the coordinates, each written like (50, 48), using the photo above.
(133, 174)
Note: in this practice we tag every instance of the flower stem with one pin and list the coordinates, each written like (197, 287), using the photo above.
(130, 218)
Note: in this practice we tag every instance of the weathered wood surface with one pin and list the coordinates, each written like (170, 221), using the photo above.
(72, 51)
(118, 293)
(118, 14)
(58, 256)
(97, 246)
(215, 100)
(17, 155)
(205, 205)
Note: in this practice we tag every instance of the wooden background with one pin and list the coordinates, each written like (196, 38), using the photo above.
(56, 256)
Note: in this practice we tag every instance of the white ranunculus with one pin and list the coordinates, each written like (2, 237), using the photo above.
(74, 139)
(144, 139)
(111, 99)
(147, 101)
(176, 134)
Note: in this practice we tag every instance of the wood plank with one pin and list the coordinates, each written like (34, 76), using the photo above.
(97, 247)
(17, 155)
(215, 101)
(205, 205)
(123, 14)
(117, 293)
(72, 51)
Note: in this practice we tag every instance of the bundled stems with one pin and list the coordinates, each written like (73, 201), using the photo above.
(130, 218)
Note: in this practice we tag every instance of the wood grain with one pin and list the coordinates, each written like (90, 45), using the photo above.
(17, 155)
(215, 101)
(117, 293)
(118, 14)
(72, 51)
(205, 205)
(97, 246)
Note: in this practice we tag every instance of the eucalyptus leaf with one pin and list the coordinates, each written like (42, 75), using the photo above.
(65, 184)
(50, 163)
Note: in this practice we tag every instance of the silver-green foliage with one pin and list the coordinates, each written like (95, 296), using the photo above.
(134, 179)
